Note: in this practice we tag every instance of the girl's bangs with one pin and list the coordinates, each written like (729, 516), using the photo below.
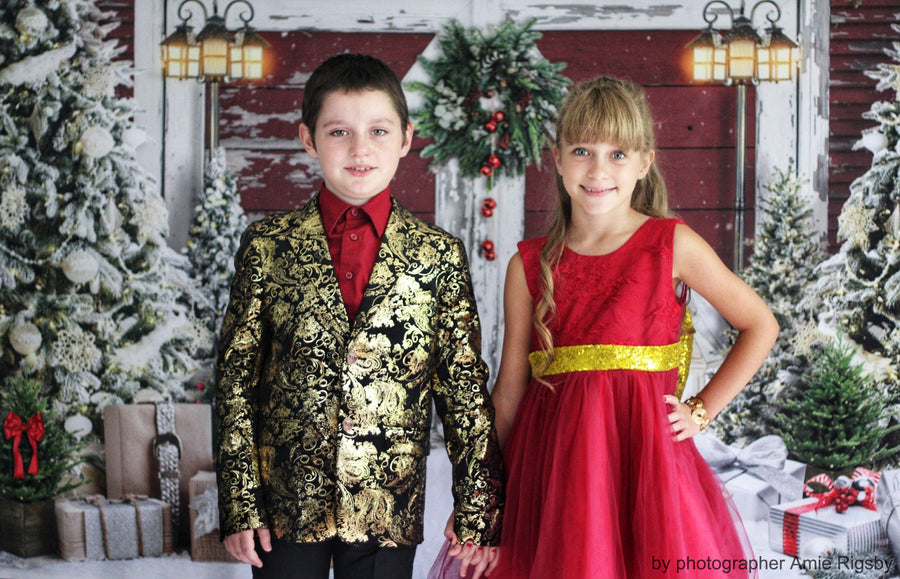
(620, 123)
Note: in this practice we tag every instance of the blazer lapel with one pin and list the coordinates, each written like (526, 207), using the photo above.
(391, 263)
(317, 271)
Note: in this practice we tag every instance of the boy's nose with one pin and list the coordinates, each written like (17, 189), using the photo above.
(359, 145)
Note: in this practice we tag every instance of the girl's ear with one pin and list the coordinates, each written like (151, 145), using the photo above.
(308, 142)
(646, 161)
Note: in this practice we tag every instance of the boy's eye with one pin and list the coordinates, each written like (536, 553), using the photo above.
(618, 155)
(580, 152)
(379, 132)
(338, 133)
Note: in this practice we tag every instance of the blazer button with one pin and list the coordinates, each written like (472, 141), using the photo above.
(348, 424)
(351, 358)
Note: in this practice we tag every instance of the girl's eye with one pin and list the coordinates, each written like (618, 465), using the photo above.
(618, 155)
(379, 132)
(338, 133)
(580, 152)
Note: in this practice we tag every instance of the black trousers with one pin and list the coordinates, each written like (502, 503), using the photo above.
(288, 560)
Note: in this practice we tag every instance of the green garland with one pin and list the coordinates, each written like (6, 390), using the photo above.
(492, 96)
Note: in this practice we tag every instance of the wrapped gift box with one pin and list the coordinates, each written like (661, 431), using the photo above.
(205, 546)
(753, 495)
(131, 468)
(123, 530)
(888, 500)
(798, 529)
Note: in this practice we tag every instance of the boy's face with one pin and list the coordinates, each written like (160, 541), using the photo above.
(359, 143)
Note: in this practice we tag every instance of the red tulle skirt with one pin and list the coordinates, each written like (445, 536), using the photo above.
(598, 488)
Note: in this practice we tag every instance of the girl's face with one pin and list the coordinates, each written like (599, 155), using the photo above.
(600, 176)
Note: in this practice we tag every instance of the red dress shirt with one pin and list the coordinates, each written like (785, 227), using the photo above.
(354, 237)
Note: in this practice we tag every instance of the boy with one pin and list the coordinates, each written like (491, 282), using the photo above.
(347, 316)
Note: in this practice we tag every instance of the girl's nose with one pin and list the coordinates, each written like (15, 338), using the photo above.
(598, 168)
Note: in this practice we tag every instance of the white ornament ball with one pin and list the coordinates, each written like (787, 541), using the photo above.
(134, 137)
(874, 141)
(78, 425)
(31, 20)
(25, 338)
(815, 548)
(96, 142)
(80, 266)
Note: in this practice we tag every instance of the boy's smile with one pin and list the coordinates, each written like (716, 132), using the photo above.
(359, 142)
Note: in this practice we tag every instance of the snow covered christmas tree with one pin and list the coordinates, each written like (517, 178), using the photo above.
(219, 221)
(92, 299)
(786, 250)
(857, 292)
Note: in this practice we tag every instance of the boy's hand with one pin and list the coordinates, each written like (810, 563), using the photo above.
(482, 560)
(240, 545)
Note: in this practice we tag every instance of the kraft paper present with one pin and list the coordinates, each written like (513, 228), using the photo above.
(86, 534)
(131, 468)
(205, 543)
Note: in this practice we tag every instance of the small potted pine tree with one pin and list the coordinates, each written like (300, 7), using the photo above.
(837, 419)
(36, 462)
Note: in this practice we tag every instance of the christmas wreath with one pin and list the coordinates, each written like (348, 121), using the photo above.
(491, 98)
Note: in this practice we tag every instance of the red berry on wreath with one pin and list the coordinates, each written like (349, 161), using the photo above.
(490, 255)
(486, 171)
(494, 161)
(487, 211)
(490, 203)
(487, 245)
(498, 116)
(490, 126)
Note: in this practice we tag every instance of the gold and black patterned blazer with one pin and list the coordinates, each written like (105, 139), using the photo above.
(323, 427)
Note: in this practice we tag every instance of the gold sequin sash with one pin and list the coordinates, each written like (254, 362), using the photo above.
(616, 357)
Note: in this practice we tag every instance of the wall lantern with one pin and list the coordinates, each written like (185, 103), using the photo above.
(215, 54)
(742, 56)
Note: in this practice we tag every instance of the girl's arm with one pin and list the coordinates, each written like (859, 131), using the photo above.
(697, 265)
(515, 371)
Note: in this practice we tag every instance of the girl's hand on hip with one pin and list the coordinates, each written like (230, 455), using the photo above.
(683, 426)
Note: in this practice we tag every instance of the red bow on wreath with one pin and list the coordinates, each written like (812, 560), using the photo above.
(844, 491)
(34, 428)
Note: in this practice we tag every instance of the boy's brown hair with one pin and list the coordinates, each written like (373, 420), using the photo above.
(350, 73)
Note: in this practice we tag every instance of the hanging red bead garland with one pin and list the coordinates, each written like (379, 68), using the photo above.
(34, 430)
(487, 208)
(488, 250)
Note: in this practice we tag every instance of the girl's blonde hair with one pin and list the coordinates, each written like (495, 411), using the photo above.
(604, 109)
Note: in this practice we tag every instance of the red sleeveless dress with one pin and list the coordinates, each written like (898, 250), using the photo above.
(596, 485)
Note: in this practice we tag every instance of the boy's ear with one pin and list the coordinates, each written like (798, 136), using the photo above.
(407, 139)
(307, 139)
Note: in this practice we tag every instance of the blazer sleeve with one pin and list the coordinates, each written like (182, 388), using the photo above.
(464, 405)
(242, 350)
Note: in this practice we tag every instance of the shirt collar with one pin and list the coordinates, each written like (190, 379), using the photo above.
(333, 208)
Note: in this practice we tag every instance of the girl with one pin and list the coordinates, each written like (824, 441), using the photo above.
(603, 479)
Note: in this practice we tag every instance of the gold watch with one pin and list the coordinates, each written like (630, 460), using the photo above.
(698, 413)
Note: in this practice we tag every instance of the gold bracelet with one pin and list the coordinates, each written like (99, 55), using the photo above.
(698, 413)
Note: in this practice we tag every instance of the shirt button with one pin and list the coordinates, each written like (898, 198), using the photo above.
(354, 237)
(349, 275)
(354, 212)
(348, 424)
(351, 358)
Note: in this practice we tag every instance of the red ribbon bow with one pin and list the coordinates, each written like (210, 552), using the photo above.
(846, 494)
(34, 429)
